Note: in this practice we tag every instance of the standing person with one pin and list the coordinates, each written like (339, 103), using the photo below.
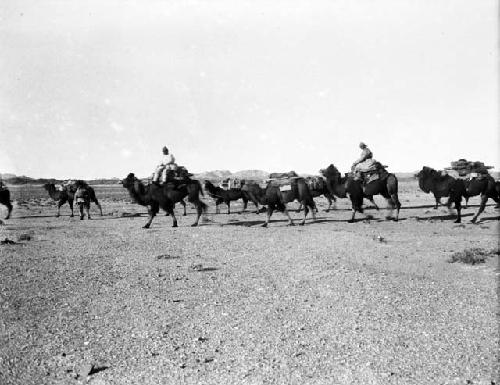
(365, 161)
(167, 162)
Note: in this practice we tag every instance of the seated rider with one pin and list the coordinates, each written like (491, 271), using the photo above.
(365, 162)
(167, 162)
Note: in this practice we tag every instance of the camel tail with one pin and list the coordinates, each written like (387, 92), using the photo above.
(201, 189)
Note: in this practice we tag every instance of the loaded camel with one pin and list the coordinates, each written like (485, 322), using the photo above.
(276, 198)
(156, 196)
(226, 196)
(356, 190)
(85, 194)
(61, 196)
(5, 200)
(67, 194)
(430, 180)
(318, 186)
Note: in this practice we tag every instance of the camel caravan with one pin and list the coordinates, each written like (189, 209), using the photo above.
(171, 184)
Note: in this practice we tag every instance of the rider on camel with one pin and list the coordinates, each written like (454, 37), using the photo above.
(167, 162)
(365, 162)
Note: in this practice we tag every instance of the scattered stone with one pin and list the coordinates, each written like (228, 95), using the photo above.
(7, 241)
(380, 239)
(24, 237)
(196, 267)
(84, 370)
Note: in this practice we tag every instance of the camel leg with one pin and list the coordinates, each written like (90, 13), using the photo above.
(184, 207)
(9, 209)
(257, 208)
(152, 211)
(199, 211)
(290, 221)
(353, 215)
(484, 199)
(228, 207)
(270, 209)
(438, 202)
(87, 208)
(300, 207)
(370, 198)
(172, 214)
(98, 205)
(329, 203)
(245, 204)
(396, 201)
(80, 207)
(59, 204)
(217, 203)
(306, 211)
(458, 207)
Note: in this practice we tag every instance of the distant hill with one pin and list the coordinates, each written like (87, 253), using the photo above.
(215, 175)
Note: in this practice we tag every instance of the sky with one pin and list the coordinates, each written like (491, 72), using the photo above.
(95, 89)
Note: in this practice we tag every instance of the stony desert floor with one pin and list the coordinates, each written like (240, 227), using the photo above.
(104, 301)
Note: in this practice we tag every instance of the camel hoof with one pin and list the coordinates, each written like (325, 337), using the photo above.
(264, 225)
(145, 227)
(301, 224)
(473, 220)
(81, 218)
(291, 224)
(194, 225)
(350, 221)
(174, 225)
(457, 221)
(388, 218)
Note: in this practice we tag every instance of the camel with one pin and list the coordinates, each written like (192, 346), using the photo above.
(5, 200)
(430, 180)
(318, 187)
(486, 187)
(357, 191)
(277, 197)
(220, 195)
(67, 194)
(156, 196)
(336, 184)
(85, 194)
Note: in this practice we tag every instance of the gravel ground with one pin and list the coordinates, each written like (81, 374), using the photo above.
(374, 302)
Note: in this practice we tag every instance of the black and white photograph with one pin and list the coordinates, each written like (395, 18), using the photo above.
(249, 192)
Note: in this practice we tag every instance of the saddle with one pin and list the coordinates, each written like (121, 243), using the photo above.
(376, 172)
(229, 184)
(179, 174)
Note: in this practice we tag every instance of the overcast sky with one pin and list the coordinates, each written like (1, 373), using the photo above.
(97, 88)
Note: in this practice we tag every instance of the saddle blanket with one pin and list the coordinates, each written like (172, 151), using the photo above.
(286, 187)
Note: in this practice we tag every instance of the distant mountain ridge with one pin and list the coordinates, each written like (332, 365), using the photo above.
(215, 175)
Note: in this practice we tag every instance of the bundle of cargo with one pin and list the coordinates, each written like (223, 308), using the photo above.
(283, 180)
(465, 167)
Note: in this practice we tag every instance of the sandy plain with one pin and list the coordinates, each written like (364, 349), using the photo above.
(374, 302)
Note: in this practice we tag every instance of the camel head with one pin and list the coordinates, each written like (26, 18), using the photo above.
(129, 180)
(330, 171)
(426, 172)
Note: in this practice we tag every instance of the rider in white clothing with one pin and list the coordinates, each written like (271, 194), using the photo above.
(167, 162)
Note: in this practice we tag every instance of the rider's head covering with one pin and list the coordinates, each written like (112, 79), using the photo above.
(362, 145)
(165, 149)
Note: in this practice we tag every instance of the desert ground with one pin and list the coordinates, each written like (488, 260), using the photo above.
(103, 301)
